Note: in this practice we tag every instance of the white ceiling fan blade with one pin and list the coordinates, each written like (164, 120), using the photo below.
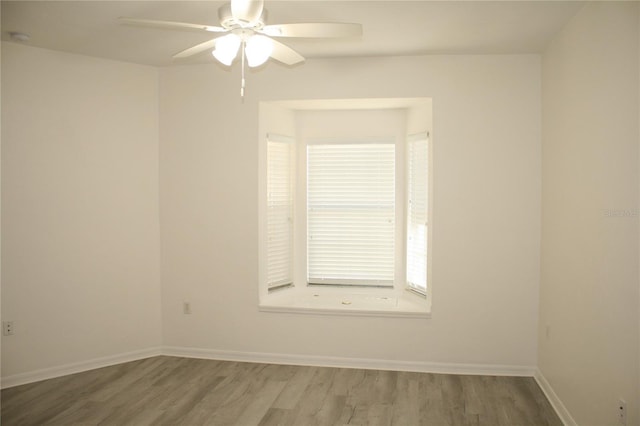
(209, 44)
(247, 11)
(170, 25)
(283, 53)
(311, 30)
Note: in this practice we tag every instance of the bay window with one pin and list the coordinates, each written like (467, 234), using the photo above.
(344, 220)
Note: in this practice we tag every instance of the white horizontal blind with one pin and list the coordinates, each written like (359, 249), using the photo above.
(350, 213)
(418, 189)
(279, 211)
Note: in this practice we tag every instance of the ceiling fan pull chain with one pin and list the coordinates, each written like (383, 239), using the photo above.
(242, 82)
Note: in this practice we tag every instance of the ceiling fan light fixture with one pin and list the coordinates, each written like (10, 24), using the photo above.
(227, 48)
(243, 27)
(258, 50)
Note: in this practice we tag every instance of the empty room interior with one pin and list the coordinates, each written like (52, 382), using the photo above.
(160, 204)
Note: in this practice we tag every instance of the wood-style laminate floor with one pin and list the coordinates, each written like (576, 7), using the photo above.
(182, 391)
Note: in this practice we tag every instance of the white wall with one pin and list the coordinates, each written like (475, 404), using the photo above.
(486, 115)
(419, 118)
(589, 281)
(80, 227)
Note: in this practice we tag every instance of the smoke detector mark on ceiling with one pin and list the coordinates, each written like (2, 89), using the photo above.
(19, 37)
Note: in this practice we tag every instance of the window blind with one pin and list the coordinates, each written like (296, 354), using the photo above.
(280, 166)
(418, 189)
(351, 213)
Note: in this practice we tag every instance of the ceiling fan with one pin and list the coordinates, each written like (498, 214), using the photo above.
(243, 29)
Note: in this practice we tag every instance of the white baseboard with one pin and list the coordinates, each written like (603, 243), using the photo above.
(555, 401)
(269, 358)
(364, 363)
(76, 367)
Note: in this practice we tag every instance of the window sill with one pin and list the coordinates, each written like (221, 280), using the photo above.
(350, 302)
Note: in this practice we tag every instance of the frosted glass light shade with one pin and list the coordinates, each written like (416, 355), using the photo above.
(258, 50)
(227, 49)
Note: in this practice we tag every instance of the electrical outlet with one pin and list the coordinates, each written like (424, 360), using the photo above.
(8, 328)
(622, 412)
(186, 308)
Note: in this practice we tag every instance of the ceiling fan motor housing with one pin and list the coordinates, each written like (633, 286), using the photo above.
(228, 22)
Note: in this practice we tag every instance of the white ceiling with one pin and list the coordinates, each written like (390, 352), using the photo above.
(390, 28)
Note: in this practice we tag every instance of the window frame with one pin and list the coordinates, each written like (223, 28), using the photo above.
(414, 139)
(288, 144)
